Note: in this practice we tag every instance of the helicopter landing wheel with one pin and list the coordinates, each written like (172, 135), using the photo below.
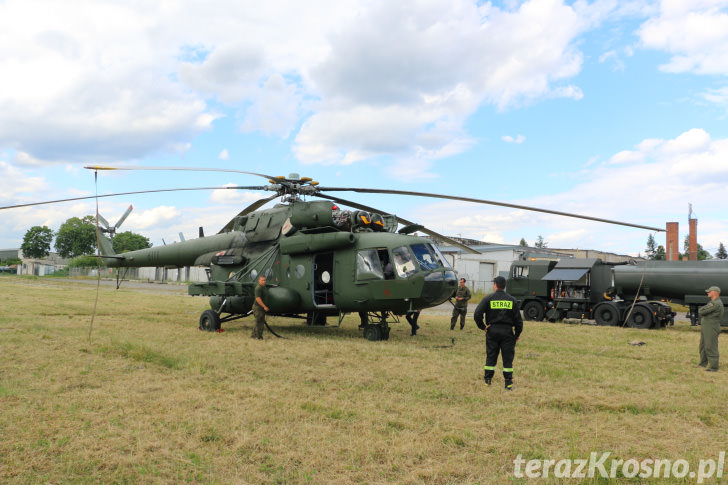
(209, 321)
(373, 333)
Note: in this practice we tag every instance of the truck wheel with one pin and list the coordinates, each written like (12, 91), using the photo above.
(606, 315)
(533, 311)
(641, 318)
(209, 321)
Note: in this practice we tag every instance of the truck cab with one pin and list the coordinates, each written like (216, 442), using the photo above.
(527, 286)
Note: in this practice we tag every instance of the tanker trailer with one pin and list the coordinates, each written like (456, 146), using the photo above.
(682, 282)
(582, 289)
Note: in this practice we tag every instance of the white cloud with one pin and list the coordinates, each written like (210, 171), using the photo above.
(234, 196)
(157, 217)
(123, 81)
(653, 185)
(223, 155)
(424, 67)
(717, 96)
(518, 139)
(694, 33)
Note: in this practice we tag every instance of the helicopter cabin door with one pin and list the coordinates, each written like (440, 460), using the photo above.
(323, 280)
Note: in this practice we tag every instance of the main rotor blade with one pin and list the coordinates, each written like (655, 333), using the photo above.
(127, 193)
(252, 207)
(186, 169)
(483, 201)
(356, 205)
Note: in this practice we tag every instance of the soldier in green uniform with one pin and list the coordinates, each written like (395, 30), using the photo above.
(710, 317)
(260, 308)
(462, 295)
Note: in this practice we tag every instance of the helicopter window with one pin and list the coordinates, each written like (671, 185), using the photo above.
(325, 277)
(403, 264)
(299, 271)
(254, 274)
(440, 257)
(425, 259)
(368, 266)
(269, 273)
(386, 263)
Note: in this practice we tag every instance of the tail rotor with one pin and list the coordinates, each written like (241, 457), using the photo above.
(109, 229)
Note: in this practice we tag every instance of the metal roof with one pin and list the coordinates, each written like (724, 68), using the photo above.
(577, 263)
(565, 274)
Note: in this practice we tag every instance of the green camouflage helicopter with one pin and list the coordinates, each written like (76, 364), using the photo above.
(320, 260)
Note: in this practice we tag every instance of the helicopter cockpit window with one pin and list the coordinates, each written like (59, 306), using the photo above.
(368, 266)
(440, 257)
(425, 259)
(403, 261)
(254, 274)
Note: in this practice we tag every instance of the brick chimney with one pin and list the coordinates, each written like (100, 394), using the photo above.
(672, 245)
(693, 240)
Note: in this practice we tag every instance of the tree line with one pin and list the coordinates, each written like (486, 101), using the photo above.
(657, 252)
(76, 237)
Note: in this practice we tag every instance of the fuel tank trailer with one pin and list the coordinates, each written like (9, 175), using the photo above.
(634, 294)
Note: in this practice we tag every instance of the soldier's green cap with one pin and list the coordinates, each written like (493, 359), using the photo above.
(713, 288)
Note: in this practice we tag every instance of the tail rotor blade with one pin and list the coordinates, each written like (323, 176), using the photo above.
(103, 222)
(123, 217)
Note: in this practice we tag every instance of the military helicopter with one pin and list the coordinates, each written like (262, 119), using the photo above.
(320, 260)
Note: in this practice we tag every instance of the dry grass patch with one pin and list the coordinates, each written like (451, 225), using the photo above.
(152, 399)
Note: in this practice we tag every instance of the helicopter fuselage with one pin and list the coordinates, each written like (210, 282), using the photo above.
(317, 259)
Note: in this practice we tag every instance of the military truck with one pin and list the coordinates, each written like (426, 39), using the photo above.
(626, 294)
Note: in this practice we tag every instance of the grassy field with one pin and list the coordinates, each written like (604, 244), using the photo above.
(151, 399)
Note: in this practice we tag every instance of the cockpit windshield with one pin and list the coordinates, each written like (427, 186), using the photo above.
(403, 261)
(425, 258)
(440, 257)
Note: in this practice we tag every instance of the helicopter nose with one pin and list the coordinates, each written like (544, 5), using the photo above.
(438, 286)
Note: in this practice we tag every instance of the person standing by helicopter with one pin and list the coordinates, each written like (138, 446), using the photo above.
(260, 308)
(412, 320)
(503, 326)
(462, 295)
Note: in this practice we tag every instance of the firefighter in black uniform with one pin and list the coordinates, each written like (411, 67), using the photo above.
(503, 326)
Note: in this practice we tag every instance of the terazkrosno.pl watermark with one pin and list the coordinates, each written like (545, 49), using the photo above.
(601, 466)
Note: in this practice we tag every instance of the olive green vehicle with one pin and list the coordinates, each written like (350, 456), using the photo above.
(319, 261)
(633, 295)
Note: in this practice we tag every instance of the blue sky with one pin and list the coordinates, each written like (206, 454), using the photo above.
(613, 109)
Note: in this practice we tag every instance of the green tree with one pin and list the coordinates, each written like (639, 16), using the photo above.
(660, 254)
(721, 254)
(128, 241)
(37, 242)
(76, 237)
(87, 261)
(523, 243)
(651, 248)
(702, 253)
(540, 243)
